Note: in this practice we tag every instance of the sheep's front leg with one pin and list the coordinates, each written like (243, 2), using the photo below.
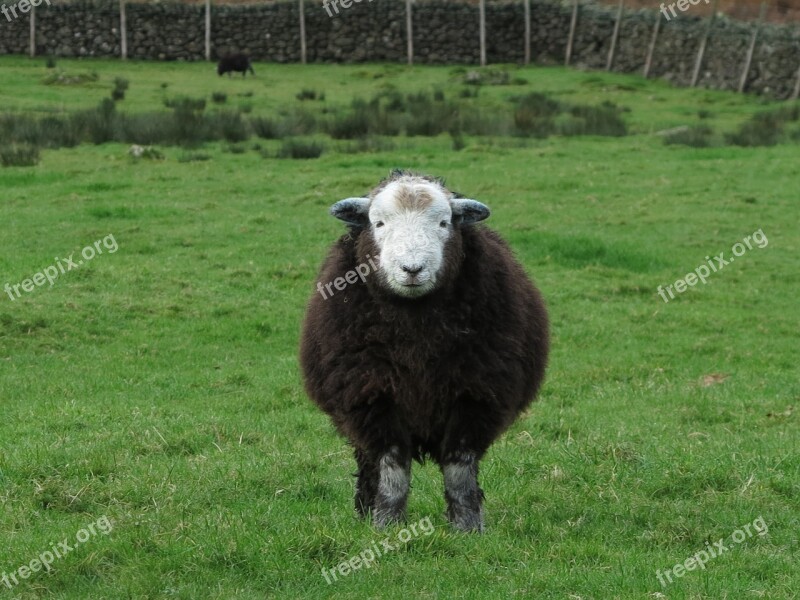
(462, 492)
(394, 482)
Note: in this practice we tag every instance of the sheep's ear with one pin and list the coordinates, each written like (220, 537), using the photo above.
(466, 211)
(353, 211)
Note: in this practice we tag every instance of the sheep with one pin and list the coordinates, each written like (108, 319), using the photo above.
(432, 355)
(239, 63)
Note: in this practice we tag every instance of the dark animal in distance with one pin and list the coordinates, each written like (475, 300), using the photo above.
(434, 354)
(239, 63)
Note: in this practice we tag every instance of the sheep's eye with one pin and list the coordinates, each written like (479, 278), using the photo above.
(443, 224)
(378, 224)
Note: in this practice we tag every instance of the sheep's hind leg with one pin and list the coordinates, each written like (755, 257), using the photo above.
(366, 483)
(394, 482)
(462, 492)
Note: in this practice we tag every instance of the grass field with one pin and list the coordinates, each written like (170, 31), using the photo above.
(157, 385)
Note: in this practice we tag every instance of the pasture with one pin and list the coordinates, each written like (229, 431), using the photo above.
(158, 386)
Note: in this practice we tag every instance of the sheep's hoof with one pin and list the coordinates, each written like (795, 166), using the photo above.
(383, 518)
(468, 521)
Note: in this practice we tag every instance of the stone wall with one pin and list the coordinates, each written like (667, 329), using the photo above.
(445, 32)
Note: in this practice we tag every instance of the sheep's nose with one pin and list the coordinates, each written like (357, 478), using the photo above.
(412, 269)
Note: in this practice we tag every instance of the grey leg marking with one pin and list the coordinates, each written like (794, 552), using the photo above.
(393, 485)
(462, 492)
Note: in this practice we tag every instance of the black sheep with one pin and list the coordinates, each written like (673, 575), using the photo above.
(239, 63)
(434, 354)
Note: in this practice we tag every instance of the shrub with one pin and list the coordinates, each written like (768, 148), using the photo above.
(61, 77)
(595, 120)
(120, 87)
(698, 136)
(764, 128)
(219, 97)
(292, 148)
(193, 157)
(534, 115)
(350, 126)
(227, 125)
(97, 124)
(19, 155)
(50, 63)
(427, 118)
(267, 128)
(368, 144)
(305, 94)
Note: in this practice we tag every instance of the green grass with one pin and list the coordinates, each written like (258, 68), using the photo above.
(158, 385)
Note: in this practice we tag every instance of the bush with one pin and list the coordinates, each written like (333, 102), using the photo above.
(306, 95)
(350, 126)
(428, 118)
(604, 119)
(19, 155)
(299, 149)
(61, 77)
(50, 63)
(764, 128)
(698, 136)
(227, 125)
(368, 144)
(97, 124)
(534, 115)
(219, 97)
(193, 157)
(120, 87)
(266, 128)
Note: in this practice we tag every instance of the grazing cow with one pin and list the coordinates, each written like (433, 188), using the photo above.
(235, 62)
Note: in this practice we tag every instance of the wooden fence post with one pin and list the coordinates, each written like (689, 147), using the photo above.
(32, 41)
(749, 58)
(527, 32)
(796, 92)
(572, 24)
(701, 52)
(482, 12)
(123, 31)
(651, 49)
(302, 33)
(614, 36)
(409, 34)
(208, 29)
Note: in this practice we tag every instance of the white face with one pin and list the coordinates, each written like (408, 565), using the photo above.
(411, 223)
(410, 220)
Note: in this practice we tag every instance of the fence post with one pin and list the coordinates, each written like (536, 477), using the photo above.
(123, 31)
(527, 32)
(796, 92)
(573, 22)
(302, 33)
(32, 42)
(482, 12)
(701, 52)
(614, 37)
(409, 34)
(208, 29)
(749, 58)
(649, 60)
